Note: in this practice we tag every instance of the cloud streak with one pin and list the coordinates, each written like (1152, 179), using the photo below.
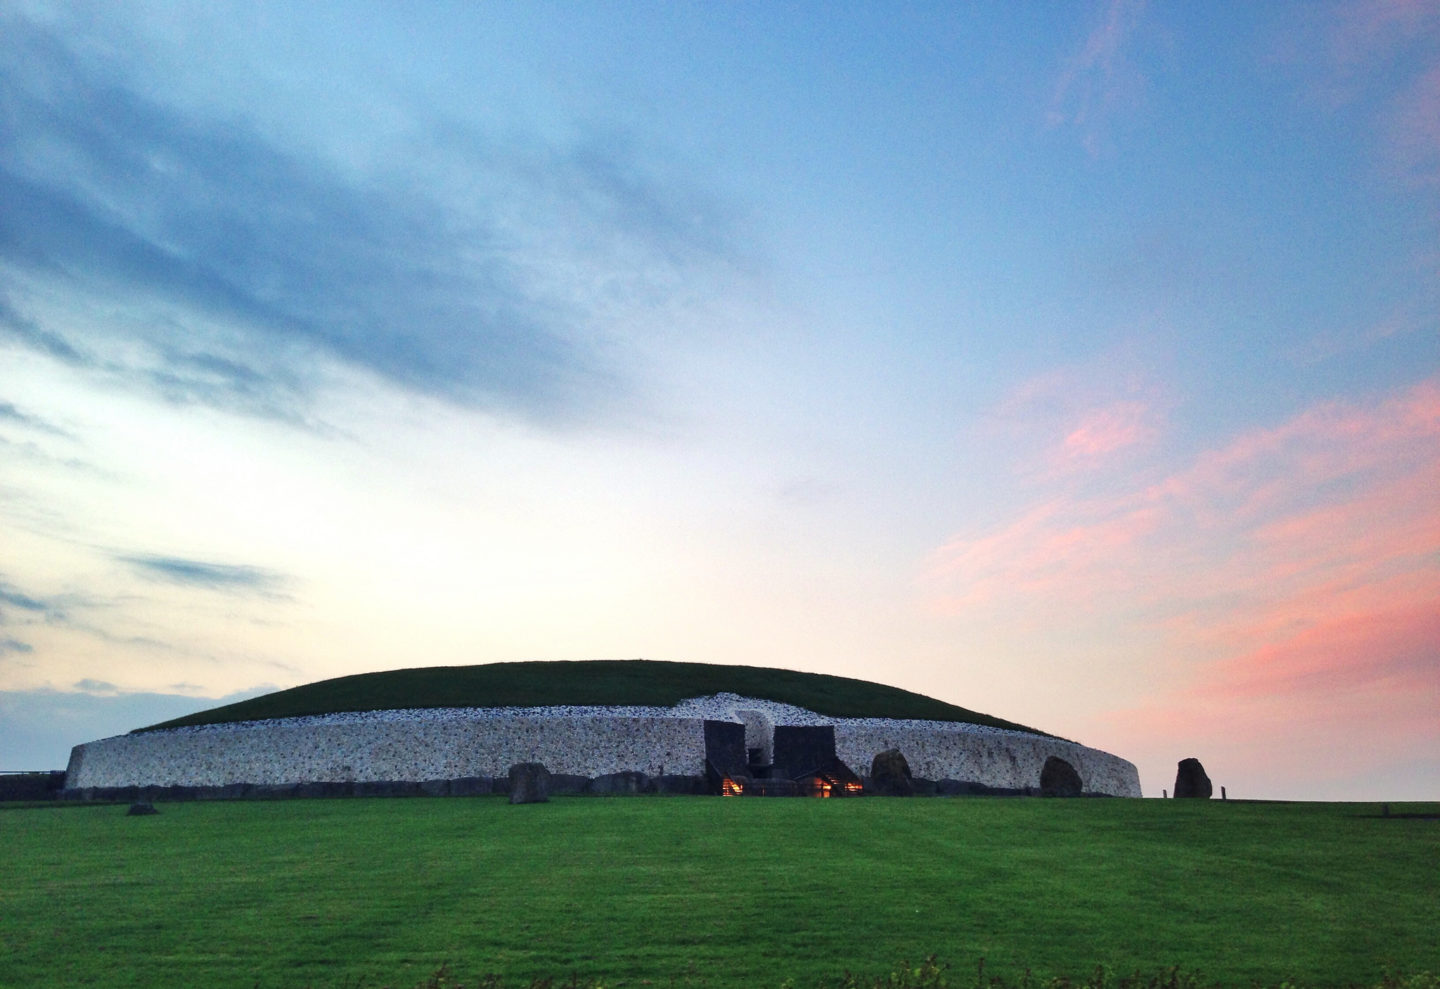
(1100, 81)
(225, 577)
(248, 262)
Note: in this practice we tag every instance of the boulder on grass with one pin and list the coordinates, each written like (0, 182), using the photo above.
(890, 774)
(1059, 779)
(529, 783)
(1191, 781)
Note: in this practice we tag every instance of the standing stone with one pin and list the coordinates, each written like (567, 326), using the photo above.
(1059, 779)
(529, 783)
(890, 774)
(1191, 781)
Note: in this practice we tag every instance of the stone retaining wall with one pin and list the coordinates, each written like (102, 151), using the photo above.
(1011, 760)
(277, 753)
(586, 743)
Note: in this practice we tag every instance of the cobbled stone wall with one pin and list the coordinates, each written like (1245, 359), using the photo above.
(276, 753)
(1008, 760)
(584, 742)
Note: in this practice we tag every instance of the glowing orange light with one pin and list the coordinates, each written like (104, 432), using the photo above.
(729, 788)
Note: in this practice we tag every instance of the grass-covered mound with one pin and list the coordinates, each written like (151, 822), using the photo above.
(596, 682)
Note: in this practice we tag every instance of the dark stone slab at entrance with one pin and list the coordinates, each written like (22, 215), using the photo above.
(724, 752)
(1059, 779)
(529, 783)
(802, 750)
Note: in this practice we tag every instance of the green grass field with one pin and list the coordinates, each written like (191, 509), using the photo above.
(708, 891)
(590, 682)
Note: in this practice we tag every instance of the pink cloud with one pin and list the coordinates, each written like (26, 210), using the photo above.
(1109, 429)
(1290, 579)
(1075, 418)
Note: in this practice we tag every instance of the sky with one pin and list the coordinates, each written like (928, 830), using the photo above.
(1078, 363)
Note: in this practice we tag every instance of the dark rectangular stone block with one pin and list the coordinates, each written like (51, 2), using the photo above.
(568, 784)
(471, 786)
(680, 785)
(273, 791)
(725, 747)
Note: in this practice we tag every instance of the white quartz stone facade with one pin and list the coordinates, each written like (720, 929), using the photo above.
(451, 743)
(278, 753)
(1009, 760)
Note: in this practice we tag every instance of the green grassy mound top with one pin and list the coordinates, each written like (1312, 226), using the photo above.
(610, 682)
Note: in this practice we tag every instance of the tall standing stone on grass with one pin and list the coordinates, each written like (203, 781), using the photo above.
(1191, 781)
(890, 774)
(1059, 779)
(529, 783)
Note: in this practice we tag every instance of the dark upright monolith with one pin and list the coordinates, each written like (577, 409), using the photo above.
(1191, 781)
(1059, 779)
(890, 774)
(529, 783)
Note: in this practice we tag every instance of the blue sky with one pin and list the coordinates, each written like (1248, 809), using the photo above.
(1072, 362)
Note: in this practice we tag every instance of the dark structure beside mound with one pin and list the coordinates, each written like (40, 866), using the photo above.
(1191, 781)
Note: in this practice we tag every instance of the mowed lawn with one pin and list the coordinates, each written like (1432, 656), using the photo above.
(739, 892)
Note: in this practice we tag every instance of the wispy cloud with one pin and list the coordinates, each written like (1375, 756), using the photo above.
(1101, 80)
(210, 576)
(1250, 511)
(92, 686)
(1081, 417)
(11, 414)
(1109, 429)
(251, 262)
(10, 596)
(1383, 57)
